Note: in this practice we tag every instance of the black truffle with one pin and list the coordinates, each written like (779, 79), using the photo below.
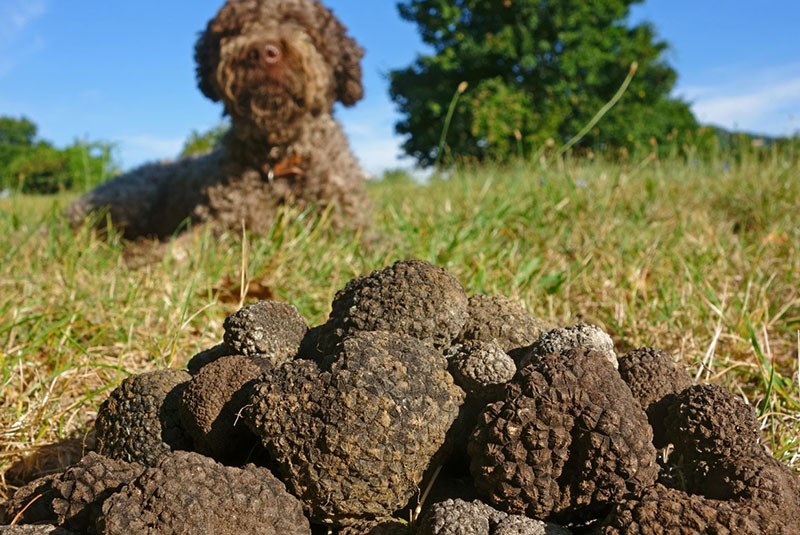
(480, 368)
(32, 503)
(654, 379)
(728, 482)
(207, 356)
(267, 329)
(580, 335)
(139, 420)
(73, 499)
(388, 526)
(410, 297)
(41, 529)
(502, 320)
(567, 441)
(353, 441)
(189, 493)
(209, 407)
(705, 424)
(666, 510)
(459, 517)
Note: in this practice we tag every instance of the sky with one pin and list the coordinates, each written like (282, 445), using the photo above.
(123, 72)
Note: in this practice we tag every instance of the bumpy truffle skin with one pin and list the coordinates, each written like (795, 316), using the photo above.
(82, 489)
(389, 526)
(33, 530)
(267, 329)
(187, 493)
(207, 356)
(739, 495)
(567, 441)
(354, 441)
(580, 335)
(410, 297)
(209, 407)
(480, 368)
(72, 499)
(459, 517)
(139, 420)
(32, 503)
(500, 319)
(654, 379)
(706, 423)
(456, 517)
(665, 510)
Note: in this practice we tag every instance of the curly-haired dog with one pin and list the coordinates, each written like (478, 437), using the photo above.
(278, 66)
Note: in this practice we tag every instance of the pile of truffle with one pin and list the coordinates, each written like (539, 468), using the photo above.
(416, 409)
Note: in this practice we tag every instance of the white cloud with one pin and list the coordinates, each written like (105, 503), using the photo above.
(763, 101)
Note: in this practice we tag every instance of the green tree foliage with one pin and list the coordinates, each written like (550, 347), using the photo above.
(536, 70)
(29, 165)
(203, 142)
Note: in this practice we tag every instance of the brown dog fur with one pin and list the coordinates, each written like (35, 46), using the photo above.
(278, 66)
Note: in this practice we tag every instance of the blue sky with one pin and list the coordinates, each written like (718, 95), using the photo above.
(123, 71)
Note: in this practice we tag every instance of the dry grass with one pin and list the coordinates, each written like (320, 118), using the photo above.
(700, 259)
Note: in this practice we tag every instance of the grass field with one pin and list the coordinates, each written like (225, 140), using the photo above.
(697, 258)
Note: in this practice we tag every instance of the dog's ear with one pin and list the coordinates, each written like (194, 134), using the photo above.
(206, 58)
(342, 52)
(349, 88)
(227, 22)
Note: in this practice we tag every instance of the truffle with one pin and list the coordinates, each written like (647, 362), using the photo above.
(40, 529)
(705, 424)
(566, 442)
(32, 503)
(388, 526)
(207, 356)
(139, 420)
(480, 368)
(410, 297)
(189, 493)
(665, 510)
(267, 329)
(580, 335)
(749, 495)
(729, 483)
(354, 441)
(654, 379)
(209, 407)
(502, 320)
(72, 499)
(459, 517)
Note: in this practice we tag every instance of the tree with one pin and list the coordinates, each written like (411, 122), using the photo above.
(536, 70)
(203, 142)
(29, 165)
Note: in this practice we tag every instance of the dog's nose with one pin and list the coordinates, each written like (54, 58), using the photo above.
(267, 53)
